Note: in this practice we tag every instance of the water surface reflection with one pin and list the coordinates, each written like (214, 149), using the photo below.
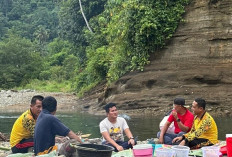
(144, 127)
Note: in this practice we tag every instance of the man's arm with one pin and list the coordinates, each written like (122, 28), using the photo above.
(130, 136)
(195, 133)
(179, 123)
(182, 126)
(111, 141)
(163, 131)
(72, 135)
(178, 139)
(29, 124)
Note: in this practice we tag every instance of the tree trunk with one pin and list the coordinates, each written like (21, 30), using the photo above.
(85, 17)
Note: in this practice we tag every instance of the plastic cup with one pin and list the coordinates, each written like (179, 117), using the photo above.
(181, 151)
(211, 151)
(164, 152)
(229, 144)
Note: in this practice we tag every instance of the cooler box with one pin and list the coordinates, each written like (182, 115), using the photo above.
(229, 144)
(142, 150)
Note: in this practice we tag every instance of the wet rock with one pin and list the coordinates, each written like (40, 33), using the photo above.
(227, 112)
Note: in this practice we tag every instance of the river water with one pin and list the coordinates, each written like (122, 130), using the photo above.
(144, 127)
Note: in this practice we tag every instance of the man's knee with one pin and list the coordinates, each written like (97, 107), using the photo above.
(181, 133)
(19, 150)
(125, 145)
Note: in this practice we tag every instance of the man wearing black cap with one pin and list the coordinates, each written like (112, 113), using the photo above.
(204, 131)
(182, 118)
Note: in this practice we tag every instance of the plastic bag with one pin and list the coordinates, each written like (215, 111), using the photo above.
(21, 155)
(171, 129)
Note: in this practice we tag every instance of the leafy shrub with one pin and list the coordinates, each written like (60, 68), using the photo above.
(127, 32)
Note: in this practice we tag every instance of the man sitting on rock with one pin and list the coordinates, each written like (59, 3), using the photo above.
(112, 128)
(182, 118)
(204, 131)
(22, 133)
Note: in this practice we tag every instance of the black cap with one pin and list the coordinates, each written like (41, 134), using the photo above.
(179, 101)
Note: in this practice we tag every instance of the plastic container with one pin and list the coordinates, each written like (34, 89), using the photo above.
(88, 150)
(181, 151)
(158, 146)
(153, 148)
(229, 144)
(142, 150)
(211, 151)
(164, 152)
(223, 150)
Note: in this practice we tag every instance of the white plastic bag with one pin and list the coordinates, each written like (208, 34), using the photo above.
(171, 129)
(21, 155)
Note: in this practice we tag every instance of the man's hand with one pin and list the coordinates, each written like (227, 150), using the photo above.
(174, 113)
(161, 140)
(177, 139)
(61, 139)
(119, 148)
(132, 142)
(182, 143)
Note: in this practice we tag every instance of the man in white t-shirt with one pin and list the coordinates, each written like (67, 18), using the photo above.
(112, 128)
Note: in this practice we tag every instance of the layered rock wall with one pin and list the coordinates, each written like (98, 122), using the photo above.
(197, 62)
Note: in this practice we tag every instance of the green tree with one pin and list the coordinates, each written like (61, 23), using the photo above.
(3, 25)
(127, 32)
(5, 6)
(41, 34)
(72, 22)
(58, 45)
(71, 67)
(25, 16)
(19, 63)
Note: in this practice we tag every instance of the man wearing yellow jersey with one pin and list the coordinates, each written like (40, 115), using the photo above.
(22, 133)
(204, 130)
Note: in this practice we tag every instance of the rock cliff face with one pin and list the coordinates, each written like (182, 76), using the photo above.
(197, 62)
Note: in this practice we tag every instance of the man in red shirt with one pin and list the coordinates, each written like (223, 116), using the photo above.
(183, 121)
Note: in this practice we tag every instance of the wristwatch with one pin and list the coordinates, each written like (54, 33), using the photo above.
(131, 137)
(178, 120)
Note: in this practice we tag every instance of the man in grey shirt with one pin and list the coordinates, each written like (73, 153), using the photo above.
(112, 129)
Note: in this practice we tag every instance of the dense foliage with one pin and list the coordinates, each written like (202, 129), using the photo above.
(125, 33)
(19, 62)
(48, 41)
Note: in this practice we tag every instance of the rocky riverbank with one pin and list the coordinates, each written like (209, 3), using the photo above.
(19, 101)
